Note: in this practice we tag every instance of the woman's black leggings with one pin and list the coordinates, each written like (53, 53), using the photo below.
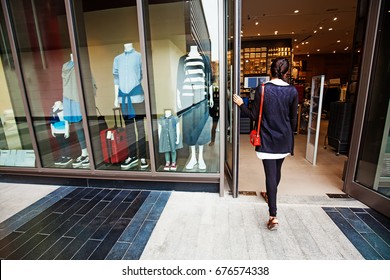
(273, 173)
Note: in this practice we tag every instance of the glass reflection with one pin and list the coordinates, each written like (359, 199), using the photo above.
(184, 90)
(109, 54)
(15, 143)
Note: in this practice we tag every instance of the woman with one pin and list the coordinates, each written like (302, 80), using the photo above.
(277, 128)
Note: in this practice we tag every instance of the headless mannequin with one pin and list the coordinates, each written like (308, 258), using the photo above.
(84, 151)
(127, 47)
(135, 124)
(170, 157)
(193, 161)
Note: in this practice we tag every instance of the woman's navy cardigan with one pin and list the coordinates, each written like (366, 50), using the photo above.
(279, 118)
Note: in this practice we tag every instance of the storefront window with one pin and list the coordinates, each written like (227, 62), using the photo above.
(43, 47)
(184, 91)
(15, 143)
(113, 83)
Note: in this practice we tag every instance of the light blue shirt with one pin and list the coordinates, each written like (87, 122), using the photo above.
(127, 71)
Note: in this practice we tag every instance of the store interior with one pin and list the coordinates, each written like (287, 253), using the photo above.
(317, 38)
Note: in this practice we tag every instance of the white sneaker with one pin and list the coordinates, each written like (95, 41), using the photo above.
(144, 163)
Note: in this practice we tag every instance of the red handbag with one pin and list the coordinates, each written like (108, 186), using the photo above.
(254, 136)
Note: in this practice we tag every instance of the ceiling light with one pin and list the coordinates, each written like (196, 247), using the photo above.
(334, 51)
(258, 34)
(306, 42)
(338, 41)
(330, 29)
(256, 23)
(346, 48)
(292, 32)
(315, 31)
(297, 46)
(276, 32)
(295, 40)
(296, 11)
(320, 27)
(308, 55)
(335, 18)
(318, 50)
(303, 43)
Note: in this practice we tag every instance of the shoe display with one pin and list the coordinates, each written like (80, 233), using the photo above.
(79, 161)
(58, 161)
(167, 166)
(63, 161)
(173, 166)
(144, 163)
(129, 162)
(85, 164)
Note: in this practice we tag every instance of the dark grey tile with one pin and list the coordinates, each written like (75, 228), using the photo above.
(385, 221)
(132, 195)
(354, 220)
(136, 205)
(329, 209)
(62, 218)
(139, 243)
(92, 193)
(358, 210)
(113, 203)
(377, 227)
(9, 238)
(159, 206)
(26, 247)
(109, 223)
(378, 244)
(356, 239)
(84, 222)
(91, 204)
(104, 248)
(44, 246)
(56, 249)
(86, 250)
(23, 238)
(79, 241)
(118, 251)
(110, 196)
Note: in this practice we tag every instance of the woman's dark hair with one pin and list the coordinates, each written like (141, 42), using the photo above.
(279, 67)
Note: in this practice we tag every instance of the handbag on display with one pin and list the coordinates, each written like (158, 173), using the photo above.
(254, 136)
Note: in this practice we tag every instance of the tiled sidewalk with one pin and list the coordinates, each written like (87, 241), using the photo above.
(368, 231)
(83, 223)
(95, 223)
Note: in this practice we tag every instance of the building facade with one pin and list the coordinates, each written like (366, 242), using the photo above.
(133, 93)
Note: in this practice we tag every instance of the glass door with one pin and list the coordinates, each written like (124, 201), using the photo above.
(232, 76)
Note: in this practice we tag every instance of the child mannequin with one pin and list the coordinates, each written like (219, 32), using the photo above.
(60, 130)
(169, 139)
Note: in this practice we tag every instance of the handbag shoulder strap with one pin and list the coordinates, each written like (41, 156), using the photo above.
(261, 109)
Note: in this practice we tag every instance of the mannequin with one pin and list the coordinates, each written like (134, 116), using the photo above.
(60, 130)
(72, 112)
(169, 139)
(194, 53)
(194, 91)
(129, 96)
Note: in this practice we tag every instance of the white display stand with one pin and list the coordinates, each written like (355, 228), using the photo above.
(313, 131)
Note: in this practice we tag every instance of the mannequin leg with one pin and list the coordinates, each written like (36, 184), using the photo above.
(192, 161)
(167, 161)
(202, 164)
(83, 160)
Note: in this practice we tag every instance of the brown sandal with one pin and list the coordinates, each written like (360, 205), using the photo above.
(272, 223)
(265, 196)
